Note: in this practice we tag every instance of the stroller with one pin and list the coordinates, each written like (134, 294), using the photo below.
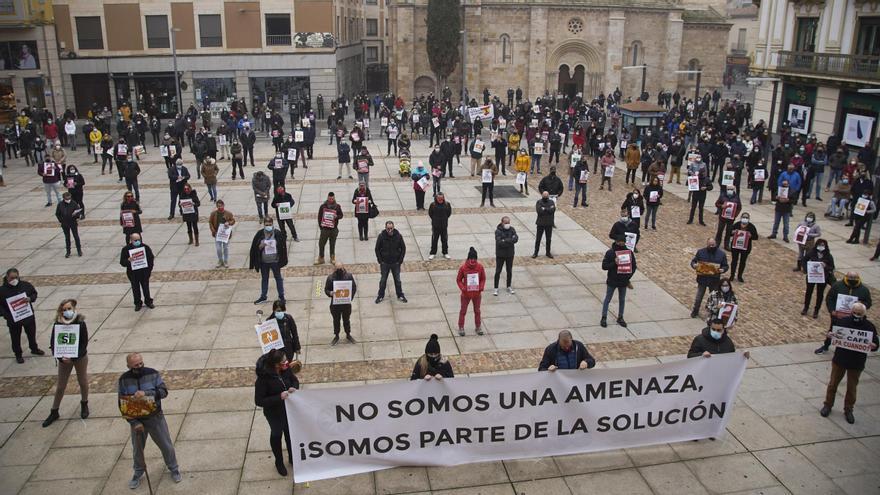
(404, 163)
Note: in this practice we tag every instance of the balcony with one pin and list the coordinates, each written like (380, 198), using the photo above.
(278, 40)
(830, 65)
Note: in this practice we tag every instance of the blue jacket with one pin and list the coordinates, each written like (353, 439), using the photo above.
(793, 178)
(150, 381)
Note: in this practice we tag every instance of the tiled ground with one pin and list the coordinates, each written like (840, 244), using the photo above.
(201, 336)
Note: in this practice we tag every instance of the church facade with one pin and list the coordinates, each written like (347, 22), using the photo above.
(568, 46)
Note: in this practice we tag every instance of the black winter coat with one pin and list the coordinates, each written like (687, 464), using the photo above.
(256, 255)
(505, 241)
(7, 291)
(439, 214)
(609, 264)
(546, 210)
(67, 213)
(390, 249)
(268, 388)
(124, 255)
(705, 342)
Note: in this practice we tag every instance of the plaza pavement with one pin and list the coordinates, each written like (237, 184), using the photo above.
(200, 336)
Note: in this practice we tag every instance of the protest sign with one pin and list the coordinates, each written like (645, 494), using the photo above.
(284, 211)
(138, 259)
(269, 335)
(852, 339)
(342, 292)
(815, 272)
(224, 232)
(66, 343)
(19, 307)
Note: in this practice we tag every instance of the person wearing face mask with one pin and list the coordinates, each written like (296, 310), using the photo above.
(68, 213)
(281, 196)
(471, 280)
(432, 365)
(189, 211)
(343, 156)
(447, 152)
(178, 175)
(418, 173)
(552, 184)
(522, 165)
(209, 174)
(276, 381)
(68, 320)
(717, 298)
(653, 194)
(74, 182)
(566, 354)
(340, 310)
(221, 216)
(741, 236)
(439, 212)
(144, 387)
(269, 253)
(390, 253)
(16, 306)
(132, 256)
(546, 210)
(709, 264)
(812, 232)
(279, 166)
(363, 162)
(728, 207)
(51, 175)
(864, 219)
(839, 301)
(849, 363)
(329, 214)
(362, 199)
(818, 254)
(713, 340)
(287, 326)
(505, 246)
(130, 216)
(625, 224)
(620, 263)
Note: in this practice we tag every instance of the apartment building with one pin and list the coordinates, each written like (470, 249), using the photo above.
(824, 56)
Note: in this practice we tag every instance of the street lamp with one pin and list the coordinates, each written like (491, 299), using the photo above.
(463, 62)
(699, 73)
(775, 81)
(174, 63)
(644, 68)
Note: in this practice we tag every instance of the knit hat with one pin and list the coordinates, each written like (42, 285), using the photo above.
(472, 253)
(433, 345)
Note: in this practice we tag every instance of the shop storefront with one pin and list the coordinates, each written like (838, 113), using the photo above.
(153, 92)
(7, 101)
(279, 91)
(34, 92)
(90, 91)
(857, 118)
(798, 106)
(210, 91)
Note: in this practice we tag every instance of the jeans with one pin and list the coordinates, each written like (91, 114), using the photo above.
(784, 217)
(262, 207)
(327, 234)
(817, 182)
(651, 213)
(580, 189)
(71, 229)
(548, 232)
(365, 178)
(834, 176)
(852, 383)
(264, 279)
(157, 428)
(212, 191)
(536, 164)
(341, 312)
(51, 187)
(436, 185)
(467, 298)
(758, 192)
(82, 377)
(621, 300)
(222, 251)
(500, 263)
(394, 268)
(701, 292)
(441, 235)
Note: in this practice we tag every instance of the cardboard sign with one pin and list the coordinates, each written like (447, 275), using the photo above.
(19, 307)
(472, 284)
(759, 174)
(363, 166)
(624, 260)
(727, 313)
(728, 210)
(782, 192)
(383, 121)
(631, 238)
(270, 247)
(424, 183)
(815, 272)
(284, 211)
(609, 171)
(187, 206)
(121, 149)
(801, 235)
(291, 154)
(49, 169)
(844, 304)
(138, 259)
(585, 176)
(693, 183)
(861, 206)
(479, 146)
(223, 141)
(278, 164)
(342, 292)
(635, 211)
(852, 339)
(127, 219)
(328, 219)
(487, 176)
(66, 343)
(538, 149)
(727, 177)
(361, 205)
(653, 196)
(306, 122)
(740, 240)
(269, 335)
(224, 232)
(521, 178)
(298, 136)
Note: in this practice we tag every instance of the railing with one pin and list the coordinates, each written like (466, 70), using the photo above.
(278, 40)
(830, 64)
(737, 49)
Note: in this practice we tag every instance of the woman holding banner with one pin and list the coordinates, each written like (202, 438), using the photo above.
(822, 255)
(432, 364)
(718, 298)
(275, 382)
(69, 340)
(189, 210)
(130, 216)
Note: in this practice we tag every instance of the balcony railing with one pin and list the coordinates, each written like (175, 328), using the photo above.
(830, 64)
(278, 40)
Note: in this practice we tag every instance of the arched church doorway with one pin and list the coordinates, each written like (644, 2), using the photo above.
(575, 67)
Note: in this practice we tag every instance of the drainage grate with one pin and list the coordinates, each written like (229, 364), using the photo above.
(503, 191)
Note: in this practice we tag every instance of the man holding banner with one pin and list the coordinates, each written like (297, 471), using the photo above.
(712, 340)
(566, 354)
(341, 288)
(853, 337)
(16, 306)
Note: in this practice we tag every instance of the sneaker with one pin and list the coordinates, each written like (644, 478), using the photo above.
(479, 331)
(175, 475)
(430, 257)
(135, 481)
(402, 299)
(379, 299)
(350, 339)
(219, 264)
(447, 256)
(510, 290)
(461, 332)
(261, 300)
(849, 417)
(821, 350)
(825, 411)
(621, 322)
(495, 292)
(334, 341)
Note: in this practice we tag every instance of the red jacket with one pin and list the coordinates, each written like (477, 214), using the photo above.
(50, 130)
(470, 267)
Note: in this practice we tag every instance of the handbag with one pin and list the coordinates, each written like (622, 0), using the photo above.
(374, 211)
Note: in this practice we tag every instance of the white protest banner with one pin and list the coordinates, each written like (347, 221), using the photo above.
(852, 339)
(341, 432)
(342, 292)
(487, 176)
(66, 343)
(127, 219)
(485, 112)
(585, 176)
(609, 171)
(163, 150)
(383, 121)
(538, 148)
(270, 247)
(284, 211)
(815, 272)
(224, 232)
(759, 174)
(269, 335)
(138, 258)
(575, 158)
(187, 206)
(635, 211)
(801, 234)
(223, 141)
(298, 136)
(19, 307)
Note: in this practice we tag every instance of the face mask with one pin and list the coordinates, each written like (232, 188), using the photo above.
(279, 314)
(506, 226)
(137, 371)
(820, 248)
(136, 243)
(712, 249)
(858, 318)
(69, 314)
(67, 201)
(715, 334)
(725, 289)
(624, 219)
(745, 221)
(731, 192)
(268, 228)
(635, 195)
(810, 219)
(389, 231)
(13, 282)
(434, 360)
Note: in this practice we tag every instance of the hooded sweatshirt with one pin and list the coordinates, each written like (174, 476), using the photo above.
(469, 267)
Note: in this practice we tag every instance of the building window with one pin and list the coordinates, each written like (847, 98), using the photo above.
(741, 39)
(277, 29)
(88, 33)
(636, 52)
(372, 54)
(575, 25)
(806, 34)
(210, 33)
(868, 40)
(694, 64)
(157, 31)
(506, 52)
(372, 27)
(372, 2)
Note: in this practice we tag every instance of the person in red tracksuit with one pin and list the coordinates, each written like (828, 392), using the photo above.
(471, 281)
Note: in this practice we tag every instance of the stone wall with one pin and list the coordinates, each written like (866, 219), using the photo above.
(708, 44)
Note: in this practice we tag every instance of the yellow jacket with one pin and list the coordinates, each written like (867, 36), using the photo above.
(523, 163)
(513, 142)
(95, 136)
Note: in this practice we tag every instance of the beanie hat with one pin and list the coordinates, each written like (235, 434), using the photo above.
(433, 345)
(472, 253)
